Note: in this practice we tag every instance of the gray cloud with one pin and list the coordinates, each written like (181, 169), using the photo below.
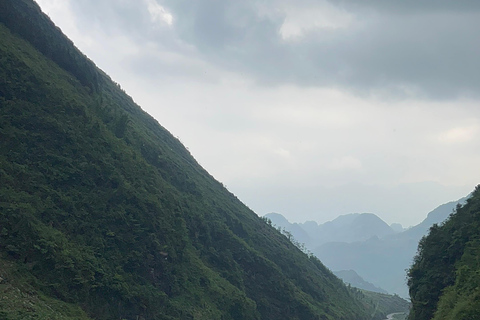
(410, 6)
(401, 48)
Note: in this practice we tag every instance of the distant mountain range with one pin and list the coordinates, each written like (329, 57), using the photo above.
(346, 228)
(363, 242)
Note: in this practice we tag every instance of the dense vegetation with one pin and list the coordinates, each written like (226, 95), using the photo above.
(104, 214)
(444, 279)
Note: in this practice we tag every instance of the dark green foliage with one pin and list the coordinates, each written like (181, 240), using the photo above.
(444, 279)
(21, 301)
(48, 39)
(102, 208)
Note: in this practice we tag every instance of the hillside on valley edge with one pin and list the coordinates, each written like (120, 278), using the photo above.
(444, 280)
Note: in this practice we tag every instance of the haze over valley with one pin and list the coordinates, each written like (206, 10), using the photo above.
(364, 250)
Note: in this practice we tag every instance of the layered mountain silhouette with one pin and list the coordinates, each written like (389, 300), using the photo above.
(346, 228)
(366, 244)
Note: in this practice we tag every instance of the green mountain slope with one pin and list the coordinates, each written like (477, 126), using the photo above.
(444, 280)
(103, 209)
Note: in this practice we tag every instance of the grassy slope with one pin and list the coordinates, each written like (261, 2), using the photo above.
(100, 207)
(19, 300)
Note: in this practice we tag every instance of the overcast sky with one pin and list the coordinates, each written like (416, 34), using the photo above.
(309, 108)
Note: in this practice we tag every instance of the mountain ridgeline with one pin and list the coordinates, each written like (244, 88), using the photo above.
(444, 280)
(347, 228)
(105, 215)
(366, 244)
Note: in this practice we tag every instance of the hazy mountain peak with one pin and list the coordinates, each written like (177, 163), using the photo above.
(343, 219)
(397, 227)
(277, 218)
(383, 261)
(310, 223)
(345, 228)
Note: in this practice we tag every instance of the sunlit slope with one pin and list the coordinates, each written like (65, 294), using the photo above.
(444, 280)
(104, 209)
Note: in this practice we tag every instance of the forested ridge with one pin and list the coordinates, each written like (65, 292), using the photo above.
(444, 280)
(105, 215)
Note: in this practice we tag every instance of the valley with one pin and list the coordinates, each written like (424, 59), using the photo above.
(365, 244)
(105, 214)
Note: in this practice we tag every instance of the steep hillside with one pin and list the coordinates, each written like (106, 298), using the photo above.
(103, 209)
(20, 300)
(444, 280)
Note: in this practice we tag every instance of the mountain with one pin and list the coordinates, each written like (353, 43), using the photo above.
(444, 279)
(383, 261)
(346, 228)
(397, 227)
(379, 261)
(352, 278)
(352, 228)
(366, 244)
(105, 215)
(438, 215)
